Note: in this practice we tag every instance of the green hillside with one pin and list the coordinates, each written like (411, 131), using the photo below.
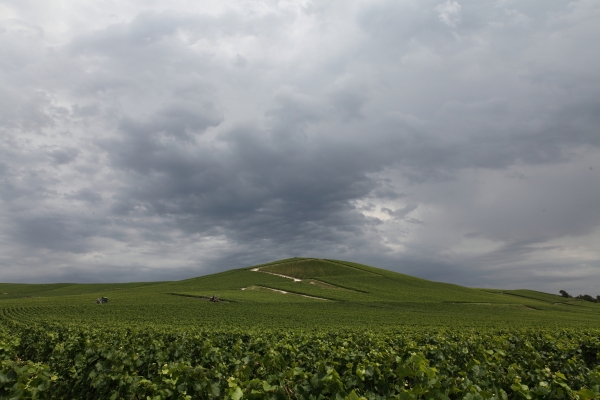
(299, 328)
(298, 292)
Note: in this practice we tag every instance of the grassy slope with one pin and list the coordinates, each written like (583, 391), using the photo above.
(358, 296)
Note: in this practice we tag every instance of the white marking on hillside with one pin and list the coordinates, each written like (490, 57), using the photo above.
(276, 290)
(284, 292)
(273, 273)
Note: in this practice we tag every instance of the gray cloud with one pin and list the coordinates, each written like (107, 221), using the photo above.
(452, 140)
(87, 195)
(52, 233)
(63, 156)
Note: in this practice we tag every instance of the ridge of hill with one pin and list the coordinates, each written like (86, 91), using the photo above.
(303, 292)
(335, 280)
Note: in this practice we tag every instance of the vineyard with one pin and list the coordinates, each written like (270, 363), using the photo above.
(296, 329)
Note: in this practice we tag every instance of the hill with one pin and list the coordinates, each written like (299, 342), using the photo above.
(298, 292)
(300, 328)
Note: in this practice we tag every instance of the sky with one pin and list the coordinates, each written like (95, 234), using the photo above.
(457, 140)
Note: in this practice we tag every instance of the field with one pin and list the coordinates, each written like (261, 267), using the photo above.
(296, 328)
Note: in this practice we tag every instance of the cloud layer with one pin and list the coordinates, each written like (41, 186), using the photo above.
(456, 140)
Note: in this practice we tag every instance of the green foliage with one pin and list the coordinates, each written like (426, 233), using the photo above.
(587, 297)
(21, 379)
(91, 363)
(565, 294)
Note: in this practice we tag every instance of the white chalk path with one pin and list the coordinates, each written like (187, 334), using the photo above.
(283, 291)
(272, 273)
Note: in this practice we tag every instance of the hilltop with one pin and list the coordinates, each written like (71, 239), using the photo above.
(304, 292)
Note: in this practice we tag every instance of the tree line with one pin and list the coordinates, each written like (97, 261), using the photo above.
(585, 297)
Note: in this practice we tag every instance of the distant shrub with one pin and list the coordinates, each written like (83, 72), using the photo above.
(587, 297)
(565, 294)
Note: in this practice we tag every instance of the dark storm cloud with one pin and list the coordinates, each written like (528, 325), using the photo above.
(267, 188)
(448, 139)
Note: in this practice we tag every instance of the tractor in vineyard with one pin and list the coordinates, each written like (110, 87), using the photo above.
(213, 299)
(102, 300)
